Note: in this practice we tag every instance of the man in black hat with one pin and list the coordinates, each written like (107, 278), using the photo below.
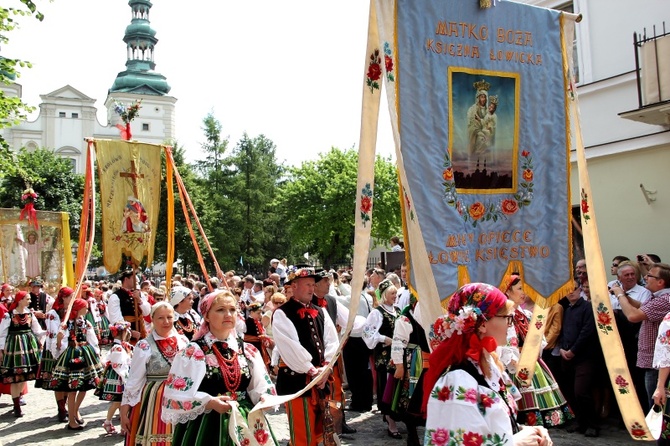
(40, 302)
(128, 304)
(307, 341)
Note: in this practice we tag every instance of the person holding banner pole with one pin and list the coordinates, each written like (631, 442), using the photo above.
(307, 342)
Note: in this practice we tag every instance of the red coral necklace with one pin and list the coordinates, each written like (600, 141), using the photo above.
(230, 368)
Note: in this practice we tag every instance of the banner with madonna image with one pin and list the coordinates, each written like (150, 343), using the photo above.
(482, 118)
(484, 114)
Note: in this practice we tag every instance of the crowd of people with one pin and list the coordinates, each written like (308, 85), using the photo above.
(184, 364)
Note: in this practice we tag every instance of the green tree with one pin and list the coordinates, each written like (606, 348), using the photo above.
(51, 177)
(255, 175)
(12, 109)
(184, 249)
(318, 200)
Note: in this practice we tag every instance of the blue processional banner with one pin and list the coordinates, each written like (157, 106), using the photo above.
(480, 101)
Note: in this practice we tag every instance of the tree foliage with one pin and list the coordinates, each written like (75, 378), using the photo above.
(319, 200)
(51, 177)
(12, 109)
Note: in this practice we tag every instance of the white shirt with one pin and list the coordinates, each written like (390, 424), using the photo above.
(296, 357)
(402, 300)
(638, 293)
(114, 309)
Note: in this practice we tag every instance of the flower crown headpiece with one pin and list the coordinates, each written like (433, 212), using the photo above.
(462, 323)
(119, 327)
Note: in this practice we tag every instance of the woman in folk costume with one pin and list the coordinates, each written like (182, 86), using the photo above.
(542, 403)
(6, 298)
(45, 372)
(143, 391)
(93, 314)
(77, 367)
(410, 352)
(215, 381)
(117, 366)
(468, 397)
(255, 333)
(20, 339)
(378, 335)
(186, 320)
(103, 324)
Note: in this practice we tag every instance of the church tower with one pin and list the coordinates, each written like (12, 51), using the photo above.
(155, 122)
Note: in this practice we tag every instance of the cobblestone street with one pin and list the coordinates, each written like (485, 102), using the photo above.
(39, 426)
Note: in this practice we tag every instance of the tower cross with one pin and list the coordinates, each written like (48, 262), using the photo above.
(133, 175)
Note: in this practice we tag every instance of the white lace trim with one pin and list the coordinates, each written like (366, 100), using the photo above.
(174, 417)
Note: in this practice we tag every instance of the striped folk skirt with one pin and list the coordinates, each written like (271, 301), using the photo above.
(543, 403)
(21, 359)
(78, 368)
(110, 387)
(147, 427)
(44, 372)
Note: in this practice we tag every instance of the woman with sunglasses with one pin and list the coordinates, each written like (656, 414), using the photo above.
(468, 396)
(542, 403)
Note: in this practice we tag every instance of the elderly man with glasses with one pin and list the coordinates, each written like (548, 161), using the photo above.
(651, 313)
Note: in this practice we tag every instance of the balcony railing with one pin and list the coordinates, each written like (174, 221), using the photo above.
(652, 65)
(652, 69)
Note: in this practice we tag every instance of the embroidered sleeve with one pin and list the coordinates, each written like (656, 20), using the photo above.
(137, 375)
(260, 384)
(182, 401)
(37, 329)
(119, 360)
(462, 412)
(371, 334)
(91, 338)
(662, 349)
(4, 329)
(401, 332)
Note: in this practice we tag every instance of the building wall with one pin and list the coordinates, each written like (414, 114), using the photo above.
(627, 225)
(67, 117)
(621, 154)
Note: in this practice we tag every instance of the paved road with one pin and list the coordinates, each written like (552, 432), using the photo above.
(39, 426)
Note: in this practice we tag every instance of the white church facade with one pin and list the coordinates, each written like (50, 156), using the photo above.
(67, 116)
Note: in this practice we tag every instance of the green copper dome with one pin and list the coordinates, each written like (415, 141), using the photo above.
(139, 76)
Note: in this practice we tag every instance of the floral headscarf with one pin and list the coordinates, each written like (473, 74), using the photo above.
(453, 337)
(205, 305)
(466, 306)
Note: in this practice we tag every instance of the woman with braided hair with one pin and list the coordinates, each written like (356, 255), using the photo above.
(468, 397)
(378, 335)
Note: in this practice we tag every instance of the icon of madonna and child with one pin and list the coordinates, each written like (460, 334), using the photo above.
(484, 133)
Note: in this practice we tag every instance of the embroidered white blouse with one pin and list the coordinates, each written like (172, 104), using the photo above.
(371, 335)
(137, 376)
(662, 348)
(190, 366)
(7, 320)
(460, 411)
(119, 359)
